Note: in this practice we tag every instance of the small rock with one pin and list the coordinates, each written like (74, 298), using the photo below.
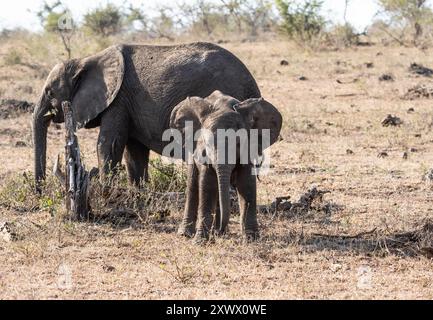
(391, 120)
(20, 144)
(302, 78)
(108, 268)
(410, 110)
(284, 63)
(386, 77)
(418, 135)
(349, 152)
(420, 70)
(336, 267)
(413, 150)
(382, 154)
(6, 232)
(379, 54)
(221, 41)
(369, 65)
(405, 155)
(428, 176)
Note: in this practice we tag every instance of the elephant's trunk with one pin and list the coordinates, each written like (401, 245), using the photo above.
(41, 122)
(223, 173)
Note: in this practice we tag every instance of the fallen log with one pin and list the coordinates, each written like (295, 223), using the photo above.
(77, 178)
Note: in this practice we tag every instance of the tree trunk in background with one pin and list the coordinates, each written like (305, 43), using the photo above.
(77, 178)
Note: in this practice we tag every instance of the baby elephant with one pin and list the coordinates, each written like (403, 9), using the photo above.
(221, 156)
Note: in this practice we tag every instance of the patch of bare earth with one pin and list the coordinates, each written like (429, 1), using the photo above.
(367, 237)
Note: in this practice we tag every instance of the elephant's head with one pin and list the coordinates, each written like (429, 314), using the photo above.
(219, 111)
(91, 84)
(257, 114)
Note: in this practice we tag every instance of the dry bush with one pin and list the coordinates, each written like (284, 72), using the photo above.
(154, 201)
(340, 36)
(113, 198)
(12, 58)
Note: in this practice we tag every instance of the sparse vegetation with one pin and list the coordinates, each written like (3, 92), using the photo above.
(13, 58)
(17, 193)
(166, 177)
(409, 17)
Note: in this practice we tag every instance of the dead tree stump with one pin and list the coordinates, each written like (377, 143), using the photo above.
(77, 178)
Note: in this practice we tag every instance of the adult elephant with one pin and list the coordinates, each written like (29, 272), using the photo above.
(129, 91)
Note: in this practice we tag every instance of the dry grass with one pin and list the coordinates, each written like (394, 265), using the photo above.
(332, 137)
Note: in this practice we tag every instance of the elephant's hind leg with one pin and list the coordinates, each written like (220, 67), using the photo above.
(137, 161)
(187, 227)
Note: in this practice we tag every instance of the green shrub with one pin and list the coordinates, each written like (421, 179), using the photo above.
(104, 21)
(52, 21)
(18, 193)
(301, 21)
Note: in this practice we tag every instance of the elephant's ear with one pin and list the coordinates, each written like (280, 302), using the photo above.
(260, 114)
(98, 80)
(193, 109)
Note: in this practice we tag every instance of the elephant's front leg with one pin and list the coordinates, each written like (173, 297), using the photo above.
(208, 194)
(137, 162)
(246, 185)
(112, 139)
(187, 227)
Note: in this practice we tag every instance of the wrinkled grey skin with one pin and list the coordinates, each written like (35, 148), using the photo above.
(129, 91)
(209, 184)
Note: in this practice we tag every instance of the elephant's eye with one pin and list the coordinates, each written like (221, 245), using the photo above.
(54, 102)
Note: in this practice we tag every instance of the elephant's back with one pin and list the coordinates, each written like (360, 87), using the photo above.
(198, 68)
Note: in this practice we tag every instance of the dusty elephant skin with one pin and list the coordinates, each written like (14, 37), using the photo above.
(130, 91)
(206, 181)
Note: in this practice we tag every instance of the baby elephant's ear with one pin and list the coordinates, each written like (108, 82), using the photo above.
(192, 109)
(98, 80)
(260, 114)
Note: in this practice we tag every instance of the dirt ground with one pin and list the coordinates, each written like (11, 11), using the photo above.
(333, 138)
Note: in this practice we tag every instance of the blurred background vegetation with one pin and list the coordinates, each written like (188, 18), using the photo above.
(29, 55)
(403, 22)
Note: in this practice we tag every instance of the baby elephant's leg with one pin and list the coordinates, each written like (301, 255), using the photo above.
(187, 227)
(208, 195)
(246, 185)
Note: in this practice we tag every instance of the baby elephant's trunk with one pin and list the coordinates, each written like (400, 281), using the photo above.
(223, 173)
